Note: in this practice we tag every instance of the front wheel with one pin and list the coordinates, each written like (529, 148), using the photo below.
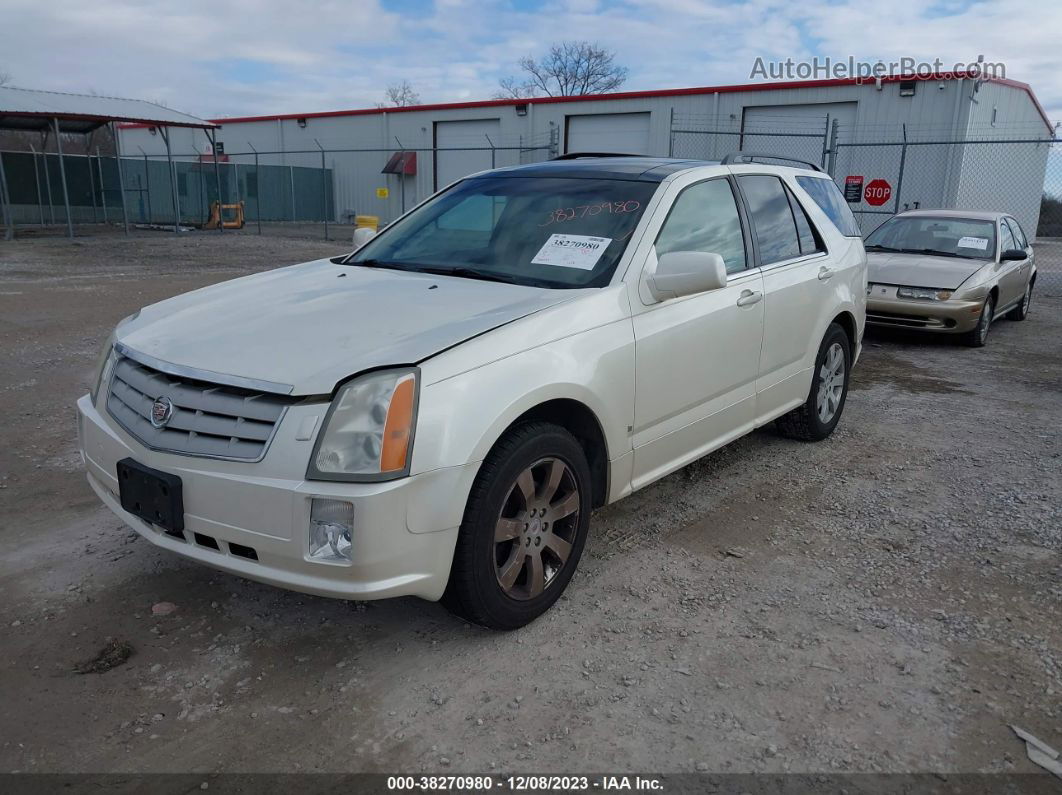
(818, 416)
(978, 335)
(1021, 311)
(524, 528)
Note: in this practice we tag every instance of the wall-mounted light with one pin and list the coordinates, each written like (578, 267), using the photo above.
(521, 109)
(301, 122)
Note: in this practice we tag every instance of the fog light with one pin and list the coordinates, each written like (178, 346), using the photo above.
(331, 529)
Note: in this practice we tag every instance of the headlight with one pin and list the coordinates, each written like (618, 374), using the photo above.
(923, 293)
(368, 434)
(105, 361)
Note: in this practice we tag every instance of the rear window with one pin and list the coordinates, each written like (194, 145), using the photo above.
(827, 195)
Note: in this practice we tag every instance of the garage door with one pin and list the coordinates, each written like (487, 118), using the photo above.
(809, 122)
(469, 138)
(608, 132)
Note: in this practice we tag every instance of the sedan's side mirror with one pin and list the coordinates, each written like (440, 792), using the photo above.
(680, 273)
(1012, 254)
(363, 235)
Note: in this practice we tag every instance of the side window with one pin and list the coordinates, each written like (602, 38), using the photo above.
(1006, 237)
(772, 217)
(810, 242)
(1018, 232)
(828, 196)
(704, 217)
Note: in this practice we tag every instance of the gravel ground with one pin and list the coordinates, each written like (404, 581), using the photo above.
(888, 600)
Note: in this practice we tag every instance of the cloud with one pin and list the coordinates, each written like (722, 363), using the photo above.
(264, 56)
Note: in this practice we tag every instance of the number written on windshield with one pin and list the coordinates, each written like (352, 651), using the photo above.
(562, 214)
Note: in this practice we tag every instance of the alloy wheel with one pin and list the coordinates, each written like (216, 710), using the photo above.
(831, 383)
(986, 320)
(536, 528)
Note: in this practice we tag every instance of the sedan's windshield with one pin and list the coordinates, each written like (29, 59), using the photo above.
(548, 232)
(949, 237)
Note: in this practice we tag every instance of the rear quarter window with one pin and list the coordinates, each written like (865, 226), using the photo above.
(828, 197)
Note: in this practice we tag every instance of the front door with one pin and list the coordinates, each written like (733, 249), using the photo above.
(697, 357)
(1013, 274)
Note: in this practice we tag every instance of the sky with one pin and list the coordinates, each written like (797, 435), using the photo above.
(251, 57)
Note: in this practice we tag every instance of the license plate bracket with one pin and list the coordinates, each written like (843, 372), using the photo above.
(154, 496)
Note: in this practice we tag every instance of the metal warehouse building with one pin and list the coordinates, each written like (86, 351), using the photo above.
(943, 141)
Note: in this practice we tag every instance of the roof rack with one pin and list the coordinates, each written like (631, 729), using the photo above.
(578, 155)
(736, 158)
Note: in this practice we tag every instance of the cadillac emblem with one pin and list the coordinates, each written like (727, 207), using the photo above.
(161, 412)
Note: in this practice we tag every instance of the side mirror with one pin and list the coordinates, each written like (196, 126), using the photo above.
(363, 235)
(680, 273)
(1012, 254)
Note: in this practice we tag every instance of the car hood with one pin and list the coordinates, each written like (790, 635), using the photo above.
(311, 326)
(920, 270)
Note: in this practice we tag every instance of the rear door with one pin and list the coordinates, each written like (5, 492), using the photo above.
(796, 287)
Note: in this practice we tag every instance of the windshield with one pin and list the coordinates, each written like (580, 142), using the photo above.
(545, 232)
(949, 237)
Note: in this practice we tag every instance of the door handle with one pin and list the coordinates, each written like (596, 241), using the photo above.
(825, 274)
(748, 298)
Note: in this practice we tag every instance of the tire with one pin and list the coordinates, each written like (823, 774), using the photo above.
(978, 335)
(507, 583)
(1021, 311)
(807, 422)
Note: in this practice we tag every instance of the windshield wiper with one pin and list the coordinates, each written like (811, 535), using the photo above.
(470, 273)
(934, 252)
(881, 248)
(376, 263)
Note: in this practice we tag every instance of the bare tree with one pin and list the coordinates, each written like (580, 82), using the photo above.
(570, 68)
(400, 95)
(5, 78)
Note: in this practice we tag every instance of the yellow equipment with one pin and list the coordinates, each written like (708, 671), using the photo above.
(217, 208)
(367, 222)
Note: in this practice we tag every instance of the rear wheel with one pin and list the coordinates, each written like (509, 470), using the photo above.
(819, 415)
(978, 335)
(1021, 311)
(524, 528)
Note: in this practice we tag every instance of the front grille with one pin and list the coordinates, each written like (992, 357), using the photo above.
(894, 319)
(208, 419)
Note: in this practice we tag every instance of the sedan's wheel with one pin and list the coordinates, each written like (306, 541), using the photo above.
(820, 413)
(524, 528)
(1021, 311)
(977, 336)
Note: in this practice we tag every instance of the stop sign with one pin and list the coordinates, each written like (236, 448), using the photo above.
(877, 192)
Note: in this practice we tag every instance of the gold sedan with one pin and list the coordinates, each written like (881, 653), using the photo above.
(949, 271)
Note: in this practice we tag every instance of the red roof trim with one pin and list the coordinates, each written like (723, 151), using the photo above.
(669, 92)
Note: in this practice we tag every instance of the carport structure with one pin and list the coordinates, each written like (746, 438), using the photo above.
(54, 113)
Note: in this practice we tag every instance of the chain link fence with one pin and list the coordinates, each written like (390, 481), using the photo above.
(889, 168)
(327, 186)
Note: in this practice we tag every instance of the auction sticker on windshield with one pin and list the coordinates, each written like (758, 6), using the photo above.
(974, 242)
(572, 251)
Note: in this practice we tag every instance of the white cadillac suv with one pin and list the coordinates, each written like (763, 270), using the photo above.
(438, 413)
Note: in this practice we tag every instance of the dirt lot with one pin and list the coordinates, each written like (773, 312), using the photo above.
(888, 600)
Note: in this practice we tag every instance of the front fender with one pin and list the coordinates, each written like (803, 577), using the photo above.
(462, 417)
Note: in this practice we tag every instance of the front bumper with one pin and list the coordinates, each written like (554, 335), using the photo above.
(404, 535)
(949, 317)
